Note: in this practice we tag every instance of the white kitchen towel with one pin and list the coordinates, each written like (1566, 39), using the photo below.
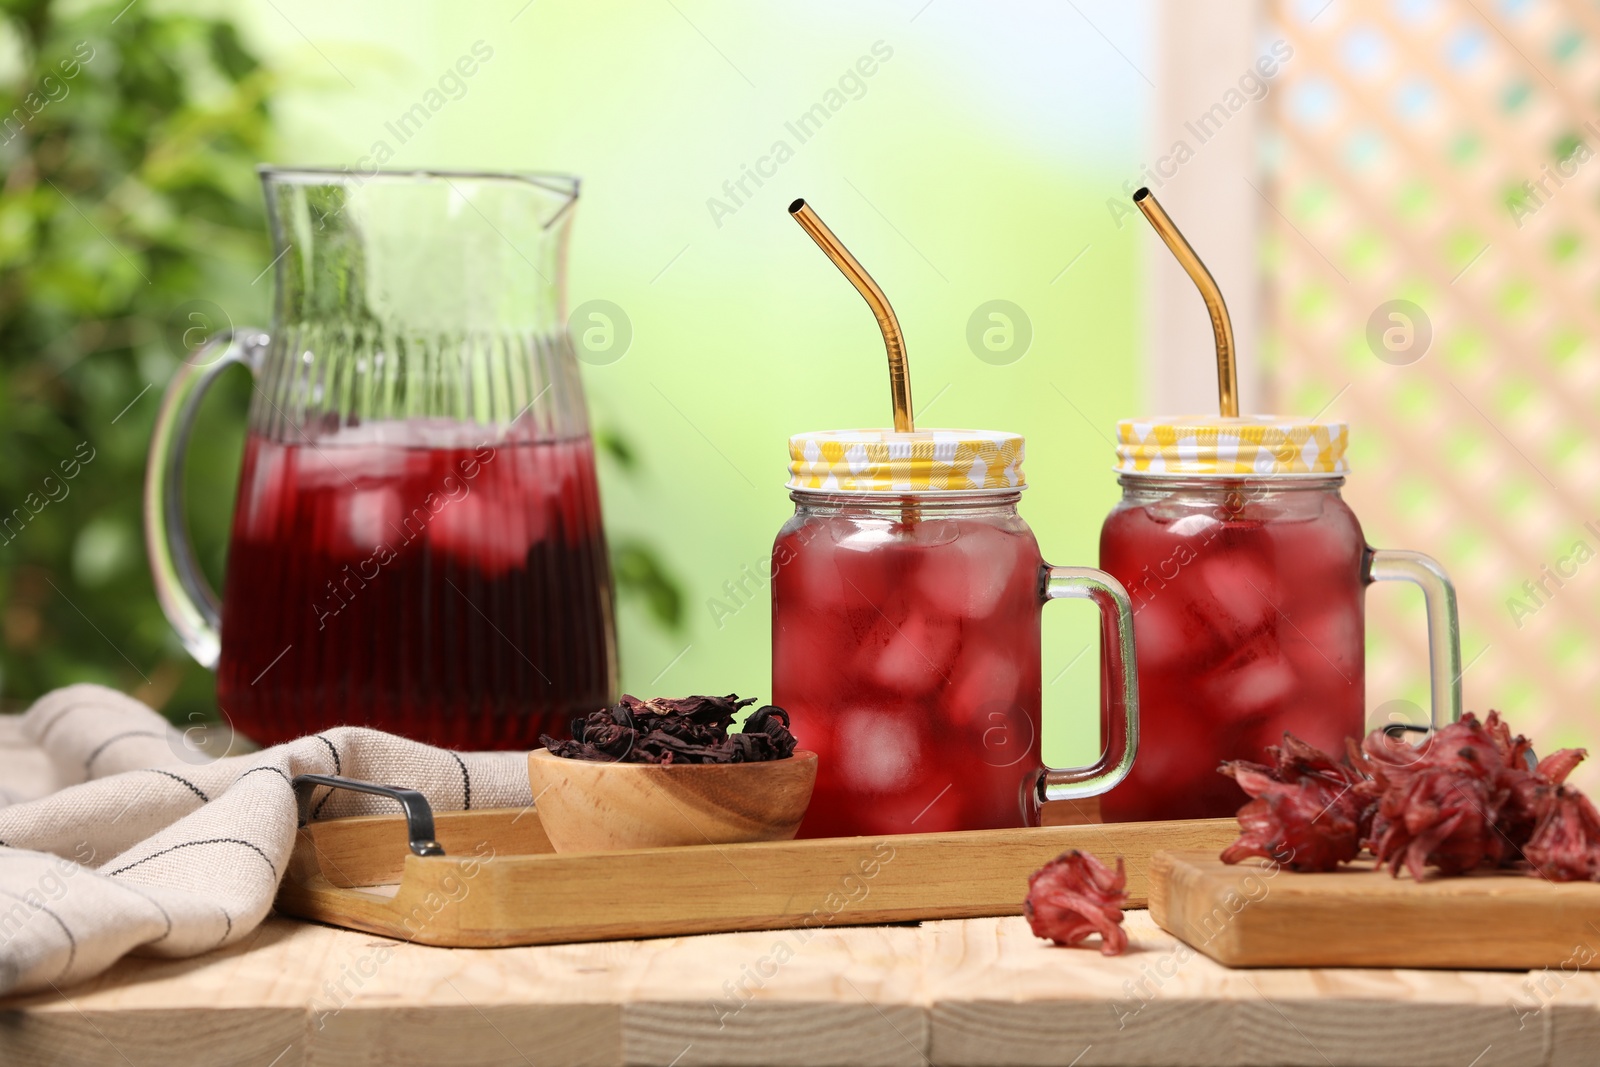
(152, 853)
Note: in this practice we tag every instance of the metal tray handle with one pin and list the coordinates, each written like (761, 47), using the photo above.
(419, 816)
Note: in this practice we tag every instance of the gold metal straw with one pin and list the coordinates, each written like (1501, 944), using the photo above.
(1221, 325)
(893, 339)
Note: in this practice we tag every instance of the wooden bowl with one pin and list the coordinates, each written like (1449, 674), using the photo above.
(588, 806)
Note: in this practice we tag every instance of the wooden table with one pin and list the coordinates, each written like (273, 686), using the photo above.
(978, 991)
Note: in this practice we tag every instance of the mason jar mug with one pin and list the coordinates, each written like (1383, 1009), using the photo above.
(906, 601)
(1247, 573)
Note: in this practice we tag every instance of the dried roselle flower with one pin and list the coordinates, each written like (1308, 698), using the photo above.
(1565, 847)
(1465, 748)
(1517, 752)
(1308, 824)
(1075, 895)
(1529, 794)
(682, 730)
(715, 713)
(1560, 763)
(1441, 817)
(1296, 759)
(1306, 810)
(1439, 802)
(1469, 796)
(770, 725)
(600, 735)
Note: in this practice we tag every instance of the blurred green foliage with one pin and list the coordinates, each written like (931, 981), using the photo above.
(131, 224)
(129, 194)
(636, 565)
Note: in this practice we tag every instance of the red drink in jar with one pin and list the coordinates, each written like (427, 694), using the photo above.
(1248, 574)
(924, 702)
(906, 616)
(458, 595)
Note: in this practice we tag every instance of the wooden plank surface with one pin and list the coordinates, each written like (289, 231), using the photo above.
(976, 991)
(1258, 916)
(998, 997)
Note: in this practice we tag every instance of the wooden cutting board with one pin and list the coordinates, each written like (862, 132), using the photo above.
(1251, 915)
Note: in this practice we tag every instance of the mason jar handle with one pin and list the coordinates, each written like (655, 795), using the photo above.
(190, 604)
(1075, 783)
(1444, 624)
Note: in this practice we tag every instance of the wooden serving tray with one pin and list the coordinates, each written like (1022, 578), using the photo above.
(1250, 916)
(500, 883)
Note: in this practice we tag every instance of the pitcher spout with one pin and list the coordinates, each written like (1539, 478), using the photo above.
(430, 251)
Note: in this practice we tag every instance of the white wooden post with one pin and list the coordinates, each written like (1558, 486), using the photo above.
(1203, 49)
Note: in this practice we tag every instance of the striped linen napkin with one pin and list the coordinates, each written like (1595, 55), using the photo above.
(140, 848)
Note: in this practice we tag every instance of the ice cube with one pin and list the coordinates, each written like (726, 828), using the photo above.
(1193, 526)
(1160, 630)
(879, 753)
(1175, 632)
(983, 681)
(490, 533)
(1236, 588)
(1256, 680)
(970, 576)
(371, 517)
(1179, 508)
(913, 657)
(350, 457)
(1328, 643)
(1262, 687)
(869, 561)
(930, 533)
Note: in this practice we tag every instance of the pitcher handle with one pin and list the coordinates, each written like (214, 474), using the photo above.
(1444, 624)
(190, 604)
(1116, 760)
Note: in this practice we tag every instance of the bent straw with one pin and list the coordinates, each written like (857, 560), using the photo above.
(1221, 325)
(893, 339)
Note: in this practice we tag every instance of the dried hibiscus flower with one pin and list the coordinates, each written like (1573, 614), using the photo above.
(1470, 796)
(1465, 798)
(1530, 792)
(685, 730)
(1075, 895)
(1565, 845)
(1305, 809)
(1438, 818)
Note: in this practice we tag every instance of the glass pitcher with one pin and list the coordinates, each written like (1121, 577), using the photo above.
(906, 604)
(1248, 574)
(417, 543)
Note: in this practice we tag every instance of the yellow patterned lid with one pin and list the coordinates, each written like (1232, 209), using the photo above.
(883, 461)
(1254, 445)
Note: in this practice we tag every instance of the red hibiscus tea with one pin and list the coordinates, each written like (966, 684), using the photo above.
(454, 593)
(1248, 616)
(1248, 572)
(907, 656)
(906, 600)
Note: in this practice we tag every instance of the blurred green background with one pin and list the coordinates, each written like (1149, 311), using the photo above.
(974, 164)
